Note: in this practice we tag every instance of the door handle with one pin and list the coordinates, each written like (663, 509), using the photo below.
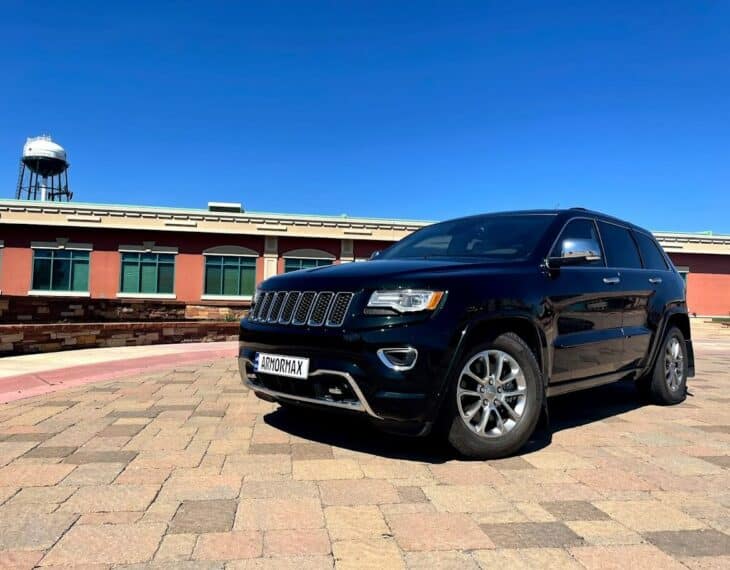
(611, 280)
(655, 280)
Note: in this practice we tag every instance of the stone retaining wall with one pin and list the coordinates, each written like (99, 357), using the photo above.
(17, 309)
(25, 338)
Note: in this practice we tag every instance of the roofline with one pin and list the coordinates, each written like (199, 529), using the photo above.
(131, 217)
(203, 211)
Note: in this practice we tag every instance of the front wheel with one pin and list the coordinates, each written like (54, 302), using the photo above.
(495, 400)
(666, 384)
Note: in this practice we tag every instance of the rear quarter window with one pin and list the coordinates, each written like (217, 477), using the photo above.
(650, 252)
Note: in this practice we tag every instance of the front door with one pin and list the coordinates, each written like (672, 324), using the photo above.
(587, 306)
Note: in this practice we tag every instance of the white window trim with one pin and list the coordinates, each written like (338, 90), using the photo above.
(250, 256)
(231, 251)
(43, 293)
(61, 245)
(309, 254)
(226, 297)
(146, 296)
(147, 248)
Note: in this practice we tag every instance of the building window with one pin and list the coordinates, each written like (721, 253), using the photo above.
(61, 270)
(297, 263)
(230, 276)
(148, 273)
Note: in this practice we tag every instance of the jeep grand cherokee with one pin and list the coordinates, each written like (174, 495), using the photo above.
(471, 323)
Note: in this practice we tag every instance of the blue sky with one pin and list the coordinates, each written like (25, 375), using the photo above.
(423, 110)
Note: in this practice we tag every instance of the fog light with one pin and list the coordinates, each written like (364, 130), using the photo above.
(398, 359)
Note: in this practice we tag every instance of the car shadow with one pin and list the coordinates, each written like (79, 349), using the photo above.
(357, 434)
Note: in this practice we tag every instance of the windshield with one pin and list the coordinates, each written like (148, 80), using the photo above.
(495, 237)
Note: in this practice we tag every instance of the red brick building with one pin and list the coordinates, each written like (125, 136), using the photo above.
(216, 256)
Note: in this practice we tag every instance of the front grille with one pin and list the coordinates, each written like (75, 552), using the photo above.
(299, 308)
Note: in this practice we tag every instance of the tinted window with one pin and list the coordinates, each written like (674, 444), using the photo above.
(653, 258)
(577, 229)
(619, 246)
(507, 237)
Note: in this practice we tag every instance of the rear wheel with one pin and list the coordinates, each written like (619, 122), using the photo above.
(666, 384)
(496, 398)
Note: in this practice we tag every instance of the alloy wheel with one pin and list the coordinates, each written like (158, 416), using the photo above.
(673, 364)
(491, 394)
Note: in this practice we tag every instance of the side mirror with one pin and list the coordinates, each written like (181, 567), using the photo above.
(576, 251)
(374, 255)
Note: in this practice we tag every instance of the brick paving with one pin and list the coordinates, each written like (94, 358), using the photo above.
(184, 468)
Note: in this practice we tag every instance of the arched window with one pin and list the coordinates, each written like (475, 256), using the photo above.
(230, 271)
(297, 259)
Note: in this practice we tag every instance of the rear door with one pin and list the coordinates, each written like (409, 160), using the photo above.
(655, 278)
(588, 340)
(633, 290)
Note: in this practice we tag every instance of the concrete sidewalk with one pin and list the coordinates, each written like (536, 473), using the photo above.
(35, 374)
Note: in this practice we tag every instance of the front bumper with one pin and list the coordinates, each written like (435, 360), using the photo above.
(346, 373)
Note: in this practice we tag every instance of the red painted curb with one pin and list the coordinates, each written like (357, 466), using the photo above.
(26, 385)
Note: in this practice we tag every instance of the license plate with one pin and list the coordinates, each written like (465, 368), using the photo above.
(279, 365)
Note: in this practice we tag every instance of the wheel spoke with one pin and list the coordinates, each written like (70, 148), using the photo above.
(500, 421)
(485, 357)
(500, 366)
(511, 377)
(473, 410)
(463, 392)
(486, 412)
(510, 411)
(474, 377)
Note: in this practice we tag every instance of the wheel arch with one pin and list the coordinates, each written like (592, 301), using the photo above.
(490, 327)
(680, 319)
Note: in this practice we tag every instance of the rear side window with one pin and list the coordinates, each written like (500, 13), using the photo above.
(620, 246)
(653, 258)
(577, 229)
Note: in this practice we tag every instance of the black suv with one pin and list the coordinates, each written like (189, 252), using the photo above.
(471, 324)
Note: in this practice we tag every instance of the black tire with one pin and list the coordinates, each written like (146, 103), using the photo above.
(656, 386)
(465, 439)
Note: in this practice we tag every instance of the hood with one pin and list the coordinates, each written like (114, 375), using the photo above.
(376, 273)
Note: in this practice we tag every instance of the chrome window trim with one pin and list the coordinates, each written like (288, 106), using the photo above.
(633, 239)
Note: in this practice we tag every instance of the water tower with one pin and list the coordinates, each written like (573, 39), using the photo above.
(43, 171)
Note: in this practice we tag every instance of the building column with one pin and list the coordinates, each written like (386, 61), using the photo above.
(347, 251)
(271, 256)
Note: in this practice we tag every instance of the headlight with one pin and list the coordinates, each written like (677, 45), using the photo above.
(406, 300)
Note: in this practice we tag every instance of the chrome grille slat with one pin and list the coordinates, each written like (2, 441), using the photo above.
(287, 310)
(320, 308)
(265, 306)
(276, 306)
(338, 311)
(304, 307)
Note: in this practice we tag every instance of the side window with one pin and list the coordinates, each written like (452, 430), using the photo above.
(653, 258)
(620, 246)
(578, 229)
